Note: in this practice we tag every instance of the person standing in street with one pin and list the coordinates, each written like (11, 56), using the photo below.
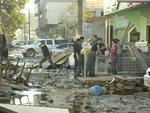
(4, 47)
(81, 40)
(113, 53)
(77, 50)
(95, 50)
(94, 39)
(102, 47)
(81, 57)
(46, 55)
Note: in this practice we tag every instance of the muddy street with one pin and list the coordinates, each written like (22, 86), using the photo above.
(74, 56)
(58, 88)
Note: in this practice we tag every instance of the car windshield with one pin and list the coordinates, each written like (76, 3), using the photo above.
(36, 42)
(39, 42)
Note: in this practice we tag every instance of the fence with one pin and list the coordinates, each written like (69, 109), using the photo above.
(125, 65)
(102, 65)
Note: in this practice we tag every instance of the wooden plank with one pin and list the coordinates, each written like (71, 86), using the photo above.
(5, 110)
(19, 87)
(59, 56)
(34, 109)
(101, 80)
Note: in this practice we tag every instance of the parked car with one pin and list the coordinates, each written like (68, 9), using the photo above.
(61, 47)
(31, 50)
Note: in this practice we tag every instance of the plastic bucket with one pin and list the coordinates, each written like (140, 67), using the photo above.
(96, 90)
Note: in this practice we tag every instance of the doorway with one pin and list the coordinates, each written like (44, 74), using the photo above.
(148, 34)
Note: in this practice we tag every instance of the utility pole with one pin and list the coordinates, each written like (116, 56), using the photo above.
(80, 16)
(24, 32)
(29, 24)
(1, 32)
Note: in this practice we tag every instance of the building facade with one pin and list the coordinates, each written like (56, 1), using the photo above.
(128, 20)
(50, 13)
(94, 23)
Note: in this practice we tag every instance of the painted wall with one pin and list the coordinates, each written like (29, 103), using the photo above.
(119, 24)
(138, 16)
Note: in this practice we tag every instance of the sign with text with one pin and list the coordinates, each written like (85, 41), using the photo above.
(94, 3)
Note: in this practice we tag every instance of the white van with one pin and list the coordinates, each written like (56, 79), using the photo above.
(32, 49)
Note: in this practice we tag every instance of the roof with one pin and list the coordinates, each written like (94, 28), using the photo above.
(126, 9)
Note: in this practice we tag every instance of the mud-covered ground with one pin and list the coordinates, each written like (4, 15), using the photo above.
(58, 88)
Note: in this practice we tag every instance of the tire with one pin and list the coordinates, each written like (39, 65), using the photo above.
(30, 53)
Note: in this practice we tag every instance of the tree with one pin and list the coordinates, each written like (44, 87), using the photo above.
(70, 20)
(12, 18)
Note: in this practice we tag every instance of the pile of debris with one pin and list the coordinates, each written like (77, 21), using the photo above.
(117, 84)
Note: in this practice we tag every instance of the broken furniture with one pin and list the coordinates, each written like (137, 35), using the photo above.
(19, 95)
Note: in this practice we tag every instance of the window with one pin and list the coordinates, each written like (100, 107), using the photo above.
(39, 42)
(70, 45)
(49, 42)
(57, 42)
(148, 34)
(42, 41)
(62, 46)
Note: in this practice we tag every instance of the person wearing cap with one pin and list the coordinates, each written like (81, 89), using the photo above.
(102, 47)
(95, 50)
(94, 39)
(46, 55)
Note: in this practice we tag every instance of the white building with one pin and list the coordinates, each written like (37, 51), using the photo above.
(50, 14)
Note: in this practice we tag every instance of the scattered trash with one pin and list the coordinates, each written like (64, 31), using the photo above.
(147, 78)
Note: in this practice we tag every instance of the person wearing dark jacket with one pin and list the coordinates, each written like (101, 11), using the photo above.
(46, 55)
(4, 47)
(77, 50)
(102, 47)
(95, 50)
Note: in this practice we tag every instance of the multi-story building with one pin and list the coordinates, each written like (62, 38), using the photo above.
(49, 15)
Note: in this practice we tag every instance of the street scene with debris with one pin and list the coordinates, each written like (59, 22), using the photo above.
(74, 56)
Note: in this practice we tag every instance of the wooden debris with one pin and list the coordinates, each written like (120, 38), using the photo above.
(116, 84)
(19, 87)
(134, 52)
(60, 58)
(5, 110)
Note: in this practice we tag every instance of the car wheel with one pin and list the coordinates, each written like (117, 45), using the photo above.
(30, 53)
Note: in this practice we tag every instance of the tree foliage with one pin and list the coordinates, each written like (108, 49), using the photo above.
(70, 20)
(12, 18)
